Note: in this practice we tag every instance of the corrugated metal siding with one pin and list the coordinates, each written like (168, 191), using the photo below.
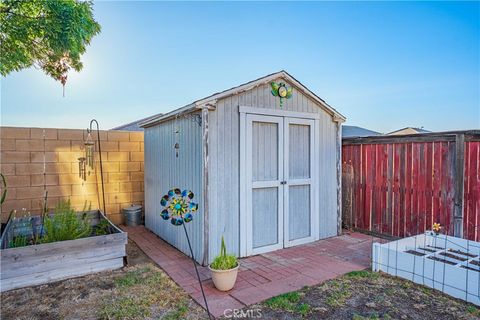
(224, 148)
(164, 171)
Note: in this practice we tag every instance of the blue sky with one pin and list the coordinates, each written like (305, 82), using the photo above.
(383, 65)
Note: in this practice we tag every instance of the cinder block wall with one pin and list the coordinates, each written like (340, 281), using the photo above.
(22, 162)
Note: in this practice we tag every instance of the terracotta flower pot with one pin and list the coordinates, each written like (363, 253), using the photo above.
(224, 280)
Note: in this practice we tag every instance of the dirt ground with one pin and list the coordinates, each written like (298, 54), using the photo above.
(365, 295)
(138, 291)
(143, 291)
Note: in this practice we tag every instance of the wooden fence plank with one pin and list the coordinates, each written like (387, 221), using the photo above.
(408, 190)
(402, 185)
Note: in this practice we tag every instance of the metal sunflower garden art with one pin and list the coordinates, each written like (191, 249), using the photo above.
(178, 206)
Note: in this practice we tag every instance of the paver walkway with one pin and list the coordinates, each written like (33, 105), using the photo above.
(262, 276)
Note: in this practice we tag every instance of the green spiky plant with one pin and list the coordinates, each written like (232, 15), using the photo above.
(102, 228)
(224, 261)
(65, 224)
(18, 241)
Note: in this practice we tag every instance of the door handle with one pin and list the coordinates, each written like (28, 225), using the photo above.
(283, 182)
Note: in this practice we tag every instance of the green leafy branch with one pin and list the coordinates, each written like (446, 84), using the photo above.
(49, 34)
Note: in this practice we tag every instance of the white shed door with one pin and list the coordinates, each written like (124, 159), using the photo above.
(298, 182)
(279, 164)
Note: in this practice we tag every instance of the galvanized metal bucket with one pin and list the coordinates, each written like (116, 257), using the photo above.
(133, 215)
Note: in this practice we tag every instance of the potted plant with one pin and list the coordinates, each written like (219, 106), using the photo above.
(224, 269)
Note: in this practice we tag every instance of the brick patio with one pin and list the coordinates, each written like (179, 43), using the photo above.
(262, 276)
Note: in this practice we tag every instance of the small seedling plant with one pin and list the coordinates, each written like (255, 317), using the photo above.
(224, 261)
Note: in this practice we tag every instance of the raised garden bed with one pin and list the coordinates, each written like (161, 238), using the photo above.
(42, 263)
(445, 263)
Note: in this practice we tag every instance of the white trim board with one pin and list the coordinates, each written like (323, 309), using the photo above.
(247, 114)
(278, 112)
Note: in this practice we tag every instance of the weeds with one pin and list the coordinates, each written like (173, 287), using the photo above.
(303, 308)
(289, 302)
(473, 311)
(340, 295)
(362, 274)
(285, 301)
(179, 313)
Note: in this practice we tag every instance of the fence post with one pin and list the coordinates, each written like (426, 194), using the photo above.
(459, 183)
(347, 195)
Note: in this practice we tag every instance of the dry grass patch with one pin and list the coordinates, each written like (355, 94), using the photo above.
(140, 291)
(367, 295)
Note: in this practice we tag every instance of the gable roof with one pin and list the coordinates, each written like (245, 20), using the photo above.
(354, 131)
(244, 87)
(408, 130)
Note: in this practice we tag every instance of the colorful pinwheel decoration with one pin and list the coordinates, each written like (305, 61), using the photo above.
(281, 90)
(178, 206)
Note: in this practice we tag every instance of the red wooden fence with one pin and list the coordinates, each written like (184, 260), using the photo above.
(401, 185)
(471, 212)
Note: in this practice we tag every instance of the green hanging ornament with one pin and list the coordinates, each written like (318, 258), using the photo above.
(282, 91)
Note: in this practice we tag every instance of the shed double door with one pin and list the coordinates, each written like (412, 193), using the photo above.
(280, 187)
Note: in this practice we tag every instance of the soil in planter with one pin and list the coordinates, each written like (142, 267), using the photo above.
(453, 256)
(415, 253)
(442, 260)
(462, 253)
(438, 248)
(475, 262)
(470, 268)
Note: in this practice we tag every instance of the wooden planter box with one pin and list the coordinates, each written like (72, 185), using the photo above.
(43, 263)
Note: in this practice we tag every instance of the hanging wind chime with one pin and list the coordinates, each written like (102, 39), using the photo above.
(176, 131)
(89, 148)
(88, 159)
(282, 91)
(179, 208)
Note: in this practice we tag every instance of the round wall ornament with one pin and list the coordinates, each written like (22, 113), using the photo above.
(280, 89)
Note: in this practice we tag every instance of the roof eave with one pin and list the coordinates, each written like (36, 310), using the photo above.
(337, 117)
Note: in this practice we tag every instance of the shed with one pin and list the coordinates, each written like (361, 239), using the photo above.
(265, 171)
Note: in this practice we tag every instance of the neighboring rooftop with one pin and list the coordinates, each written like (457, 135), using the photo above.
(354, 131)
(407, 130)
